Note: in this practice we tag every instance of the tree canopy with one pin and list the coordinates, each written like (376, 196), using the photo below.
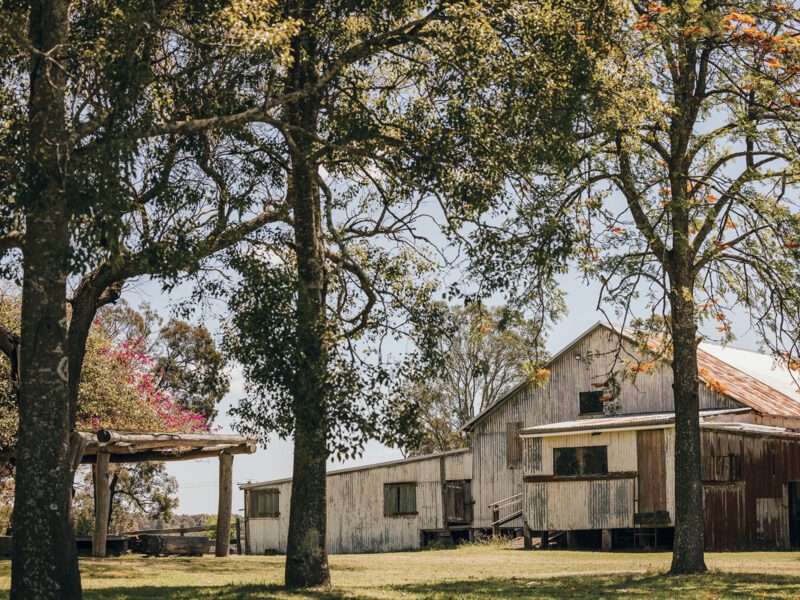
(120, 386)
(482, 353)
(682, 201)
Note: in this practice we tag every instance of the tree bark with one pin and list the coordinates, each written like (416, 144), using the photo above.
(45, 561)
(306, 552)
(689, 545)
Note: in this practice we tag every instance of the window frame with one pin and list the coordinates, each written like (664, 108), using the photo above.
(514, 444)
(580, 460)
(266, 492)
(395, 509)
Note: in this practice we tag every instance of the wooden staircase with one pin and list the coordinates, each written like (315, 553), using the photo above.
(505, 510)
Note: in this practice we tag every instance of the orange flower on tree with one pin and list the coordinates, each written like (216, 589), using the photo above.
(657, 8)
(740, 18)
(773, 63)
(716, 386)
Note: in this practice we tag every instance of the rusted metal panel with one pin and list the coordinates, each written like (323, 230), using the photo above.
(772, 522)
(652, 467)
(766, 465)
(724, 516)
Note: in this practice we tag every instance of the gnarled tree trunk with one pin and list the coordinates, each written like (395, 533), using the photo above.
(44, 561)
(306, 552)
(689, 542)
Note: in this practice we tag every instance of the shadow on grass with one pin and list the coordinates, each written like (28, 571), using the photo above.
(114, 567)
(711, 585)
(222, 592)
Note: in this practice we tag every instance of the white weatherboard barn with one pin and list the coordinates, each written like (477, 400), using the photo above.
(402, 504)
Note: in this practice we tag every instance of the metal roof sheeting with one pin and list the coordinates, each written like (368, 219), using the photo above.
(621, 422)
(745, 388)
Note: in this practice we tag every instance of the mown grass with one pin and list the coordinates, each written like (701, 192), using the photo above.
(467, 573)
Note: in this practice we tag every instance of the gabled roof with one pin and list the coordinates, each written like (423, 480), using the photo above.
(751, 390)
(469, 425)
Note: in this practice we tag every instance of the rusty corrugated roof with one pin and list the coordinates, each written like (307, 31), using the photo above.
(745, 388)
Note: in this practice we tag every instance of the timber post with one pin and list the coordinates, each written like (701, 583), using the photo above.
(606, 540)
(102, 498)
(224, 506)
(528, 537)
(238, 535)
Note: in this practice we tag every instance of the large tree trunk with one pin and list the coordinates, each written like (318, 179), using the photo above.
(44, 561)
(689, 542)
(306, 553)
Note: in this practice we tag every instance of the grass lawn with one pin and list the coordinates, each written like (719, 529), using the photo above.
(470, 572)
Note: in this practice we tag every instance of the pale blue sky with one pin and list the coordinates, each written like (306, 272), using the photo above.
(198, 478)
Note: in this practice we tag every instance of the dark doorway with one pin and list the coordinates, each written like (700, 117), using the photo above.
(794, 513)
(458, 502)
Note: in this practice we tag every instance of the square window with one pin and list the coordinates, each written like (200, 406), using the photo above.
(587, 460)
(591, 403)
(399, 499)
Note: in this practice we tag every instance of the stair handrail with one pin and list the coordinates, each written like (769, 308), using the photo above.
(507, 501)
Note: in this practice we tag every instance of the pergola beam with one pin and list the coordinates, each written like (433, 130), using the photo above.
(173, 454)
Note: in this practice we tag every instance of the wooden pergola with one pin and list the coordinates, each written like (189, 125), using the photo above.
(106, 447)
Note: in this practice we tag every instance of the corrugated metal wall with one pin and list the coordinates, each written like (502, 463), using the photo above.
(356, 522)
(566, 505)
(754, 512)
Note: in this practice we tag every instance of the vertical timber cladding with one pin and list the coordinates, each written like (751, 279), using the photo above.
(356, 520)
(652, 468)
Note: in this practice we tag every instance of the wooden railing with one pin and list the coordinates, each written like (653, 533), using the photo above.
(506, 510)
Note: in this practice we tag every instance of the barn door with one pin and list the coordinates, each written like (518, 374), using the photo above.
(651, 458)
(458, 502)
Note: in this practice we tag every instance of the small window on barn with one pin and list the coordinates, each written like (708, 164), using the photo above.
(264, 503)
(721, 469)
(513, 444)
(399, 499)
(591, 403)
(588, 460)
